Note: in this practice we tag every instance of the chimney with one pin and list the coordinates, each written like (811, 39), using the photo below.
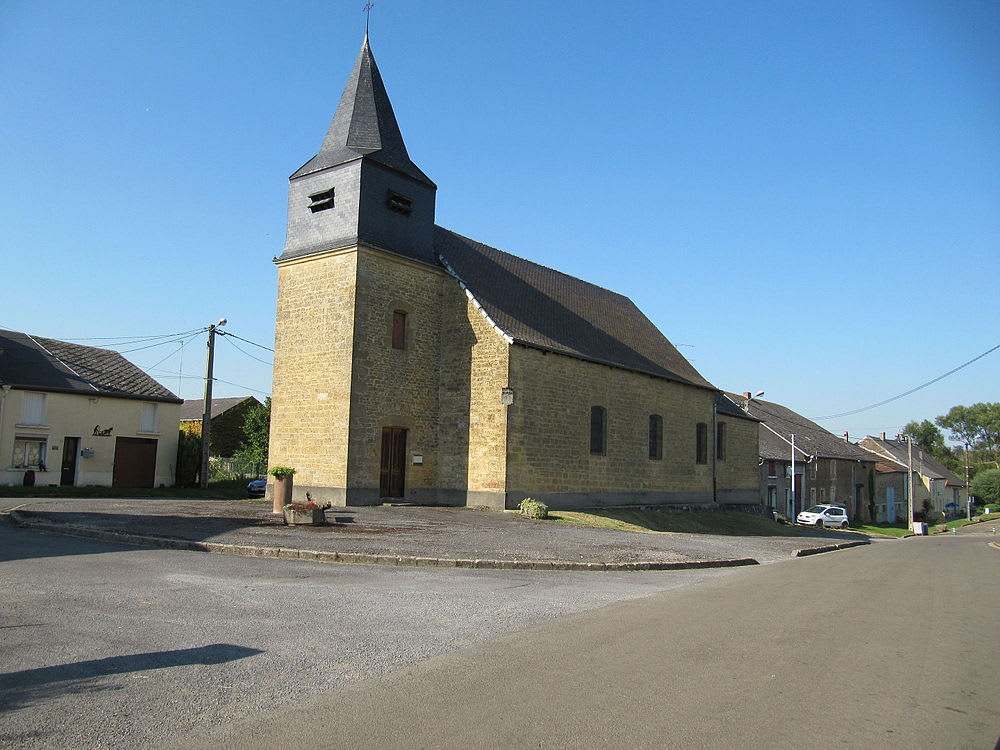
(746, 395)
(846, 438)
(883, 436)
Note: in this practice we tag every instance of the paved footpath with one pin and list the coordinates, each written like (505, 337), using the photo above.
(433, 537)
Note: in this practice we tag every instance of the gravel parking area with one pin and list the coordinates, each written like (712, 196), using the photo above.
(452, 533)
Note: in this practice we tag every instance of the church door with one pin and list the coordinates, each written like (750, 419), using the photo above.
(393, 473)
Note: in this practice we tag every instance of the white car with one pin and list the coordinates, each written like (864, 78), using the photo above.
(824, 515)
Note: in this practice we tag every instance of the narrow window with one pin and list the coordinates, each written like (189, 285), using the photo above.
(833, 468)
(597, 429)
(321, 201)
(399, 330)
(655, 436)
(701, 443)
(33, 409)
(720, 441)
(147, 418)
(399, 203)
(772, 469)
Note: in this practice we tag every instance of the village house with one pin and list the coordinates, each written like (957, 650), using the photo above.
(414, 363)
(226, 427)
(932, 482)
(827, 469)
(78, 415)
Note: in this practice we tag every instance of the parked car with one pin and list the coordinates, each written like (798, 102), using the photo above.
(256, 488)
(824, 515)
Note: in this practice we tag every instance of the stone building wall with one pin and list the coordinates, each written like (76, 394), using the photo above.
(311, 398)
(549, 454)
(395, 387)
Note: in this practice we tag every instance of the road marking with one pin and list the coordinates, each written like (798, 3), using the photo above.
(994, 545)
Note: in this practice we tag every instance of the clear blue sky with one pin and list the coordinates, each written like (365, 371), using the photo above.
(805, 197)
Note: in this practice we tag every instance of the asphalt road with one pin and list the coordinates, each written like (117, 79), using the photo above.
(887, 646)
(105, 646)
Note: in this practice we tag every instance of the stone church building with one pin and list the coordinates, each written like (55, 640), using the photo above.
(414, 363)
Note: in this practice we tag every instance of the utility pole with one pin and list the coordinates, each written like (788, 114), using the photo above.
(792, 514)
(909, 482)
(968, 493)
(206, 417)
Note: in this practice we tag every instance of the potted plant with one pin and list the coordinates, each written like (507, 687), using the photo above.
(305, 514)
(282, 487)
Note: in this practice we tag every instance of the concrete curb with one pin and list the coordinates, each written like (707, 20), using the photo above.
(830, 548)
(355, 558)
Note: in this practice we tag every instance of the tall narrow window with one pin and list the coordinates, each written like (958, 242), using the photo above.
(399, 330)
(655, 436)
(701, 443)
(33, 409)
(720, 441)
(772, 469)
(147, 418)
(598, 425)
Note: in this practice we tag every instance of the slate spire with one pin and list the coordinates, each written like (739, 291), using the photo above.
(364, 125)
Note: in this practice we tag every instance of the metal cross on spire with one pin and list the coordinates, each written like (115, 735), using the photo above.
(368, 14)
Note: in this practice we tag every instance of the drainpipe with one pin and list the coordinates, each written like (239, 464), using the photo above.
(715, 453)
(5, 389)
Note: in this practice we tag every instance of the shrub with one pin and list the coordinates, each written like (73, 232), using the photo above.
(986, 486)
(280, 472)
(533, 508)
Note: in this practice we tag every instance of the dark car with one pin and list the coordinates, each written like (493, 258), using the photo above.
(256, 488)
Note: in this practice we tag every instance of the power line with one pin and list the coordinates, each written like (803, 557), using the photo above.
(912, 390)
(127, 340)
(227, 333)
(248, 354)
(245, 387)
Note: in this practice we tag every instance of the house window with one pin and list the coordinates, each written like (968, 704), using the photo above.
(833, 468)
(147, 418)
(598, 430)
(833, 494)
(321, 201)
(399, 203)
(29, 453)
(822, 494)
(772, 495)
(720, 441)
(655, 436)
(812, 495)
(33, 409)
(772, 469)
(701, 443)
(399, 330)
(812, 467)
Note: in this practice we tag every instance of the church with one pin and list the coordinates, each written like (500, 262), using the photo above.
(413, 364)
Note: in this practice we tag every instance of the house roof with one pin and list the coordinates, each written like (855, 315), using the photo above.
(364, 125)
(895, 452)
(194, 408)
(35, 363)
(810, 438)
(545, 309)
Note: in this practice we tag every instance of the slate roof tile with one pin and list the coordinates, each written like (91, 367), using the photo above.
(546, 309)
(34, 362)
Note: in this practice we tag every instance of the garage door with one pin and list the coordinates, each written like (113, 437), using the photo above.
(135, 462)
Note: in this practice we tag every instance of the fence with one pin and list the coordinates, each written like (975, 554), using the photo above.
(221, 469)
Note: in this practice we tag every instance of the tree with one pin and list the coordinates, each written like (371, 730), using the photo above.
(188, 459)
(927, 436)
(986, 486)
(256, 430)
(977, 426)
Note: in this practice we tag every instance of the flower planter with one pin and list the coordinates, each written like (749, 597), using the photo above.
(282, 492)
(304, 517)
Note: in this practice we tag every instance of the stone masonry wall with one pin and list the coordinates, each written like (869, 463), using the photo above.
(310, 405)
(395, 387)
(549, 444)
